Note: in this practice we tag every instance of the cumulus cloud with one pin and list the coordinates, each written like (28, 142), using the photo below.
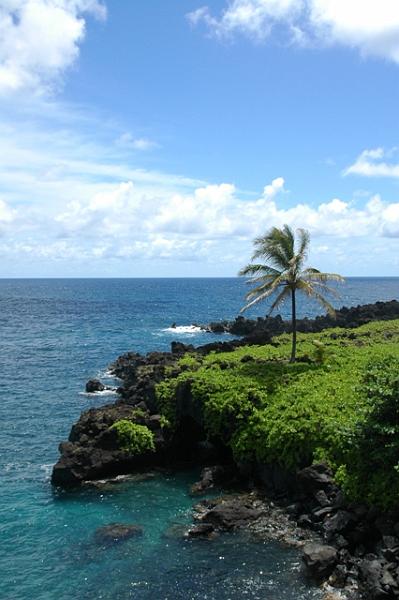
(376, 163)
(209, 224)
(370, 27)
(39, 39)
(215, 214)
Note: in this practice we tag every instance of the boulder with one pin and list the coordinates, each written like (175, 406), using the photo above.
(316, 477)
(319, 559)
(230, 512)
(116, 532)
(94, 385)
(211, 477)
(338, 523)
(372, 573)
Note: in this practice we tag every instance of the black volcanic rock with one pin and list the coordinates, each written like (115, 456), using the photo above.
(228, 513)
(93, 451)
(94, 385)
(347, 317)
(319, 559)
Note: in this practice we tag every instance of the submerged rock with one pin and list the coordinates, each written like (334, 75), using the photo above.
(116, 532)
(202, 530)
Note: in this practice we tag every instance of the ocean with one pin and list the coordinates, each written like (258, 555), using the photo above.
(55, 335)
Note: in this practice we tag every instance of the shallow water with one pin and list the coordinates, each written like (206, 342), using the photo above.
(55, 334)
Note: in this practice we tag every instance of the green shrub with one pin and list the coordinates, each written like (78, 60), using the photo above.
(319, 352)
(164, 422)
(134, 438)
(139, 413)
(189, 362)
(372, 463)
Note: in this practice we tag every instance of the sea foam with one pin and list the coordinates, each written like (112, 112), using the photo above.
(184, 329)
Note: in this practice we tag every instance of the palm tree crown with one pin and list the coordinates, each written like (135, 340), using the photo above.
(283, 273)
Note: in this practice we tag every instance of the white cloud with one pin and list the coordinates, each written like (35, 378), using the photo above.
(374, 163)
(39, 39)
(255, 17)
(211, 224)
(58, 206)
(370, 27)
(276, 186)
(127, 140)
(215, 214)
(7, 215)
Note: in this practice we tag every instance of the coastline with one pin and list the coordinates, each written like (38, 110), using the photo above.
(314, 502)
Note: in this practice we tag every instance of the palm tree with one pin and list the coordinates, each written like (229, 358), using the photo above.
(283, 273)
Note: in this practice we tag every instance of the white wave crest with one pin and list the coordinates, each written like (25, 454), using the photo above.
(106, 374)
(184, 329)
(110, 392)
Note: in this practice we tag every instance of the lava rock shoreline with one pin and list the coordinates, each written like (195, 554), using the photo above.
(359, 546)
(347, 317)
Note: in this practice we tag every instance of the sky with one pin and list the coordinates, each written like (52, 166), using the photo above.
(158, 138)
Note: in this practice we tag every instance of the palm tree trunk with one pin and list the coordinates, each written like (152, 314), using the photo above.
(293, 304)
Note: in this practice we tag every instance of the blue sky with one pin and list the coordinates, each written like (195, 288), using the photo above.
(159, 138)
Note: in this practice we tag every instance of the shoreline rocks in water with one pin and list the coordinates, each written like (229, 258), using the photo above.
(93, 450)
(347, 317)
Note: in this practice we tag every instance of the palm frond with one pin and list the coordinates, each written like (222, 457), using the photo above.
(304, 240)
(280, 299)
(256, 300)
(325, 289)
(267, 287)
(273, 254)
(257, 269)
(310, 291)
(315, 275)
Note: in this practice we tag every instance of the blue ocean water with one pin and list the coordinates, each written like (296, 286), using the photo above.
(55, 334)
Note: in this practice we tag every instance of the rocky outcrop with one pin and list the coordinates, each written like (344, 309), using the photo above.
(93, 450)
(359, 545)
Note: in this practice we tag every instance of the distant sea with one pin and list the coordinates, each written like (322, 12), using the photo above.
(54, 335)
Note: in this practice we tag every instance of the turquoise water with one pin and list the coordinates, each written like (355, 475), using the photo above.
(55, 334)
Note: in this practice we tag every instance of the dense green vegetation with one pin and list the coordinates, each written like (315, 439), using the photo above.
(134, 438)
(282, 273)
(371, 471)
(339, 402)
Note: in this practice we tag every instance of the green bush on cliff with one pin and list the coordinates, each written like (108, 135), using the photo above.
(371, 471)
(268, 410)
(134, 438)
